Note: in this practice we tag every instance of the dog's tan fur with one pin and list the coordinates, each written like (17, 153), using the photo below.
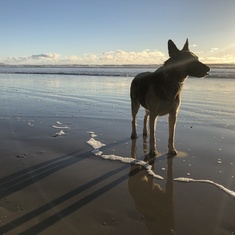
(159, 92)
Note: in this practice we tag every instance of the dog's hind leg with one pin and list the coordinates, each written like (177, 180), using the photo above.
(172, 124)
(152, 122)
(135, 105)
(146, 119)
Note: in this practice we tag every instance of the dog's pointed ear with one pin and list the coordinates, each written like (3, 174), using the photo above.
(185, 48)
(172, 49)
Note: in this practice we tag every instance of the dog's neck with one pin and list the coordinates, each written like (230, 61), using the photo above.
(173, 74)
(175, 79)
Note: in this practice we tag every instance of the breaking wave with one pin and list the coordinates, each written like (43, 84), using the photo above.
(217, 71)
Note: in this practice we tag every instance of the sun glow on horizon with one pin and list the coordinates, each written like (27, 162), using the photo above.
(119, 57)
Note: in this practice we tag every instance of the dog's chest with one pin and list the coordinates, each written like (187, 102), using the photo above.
(161, 104)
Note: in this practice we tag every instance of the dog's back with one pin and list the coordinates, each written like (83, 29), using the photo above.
(143, 82)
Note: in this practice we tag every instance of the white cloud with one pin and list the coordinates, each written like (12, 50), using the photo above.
(217, 55)
(15, 60)
(147, 56)
(39, 58)
(109, 57)
(214, 49)
(49, 56)
(222, 59)
(132, 57)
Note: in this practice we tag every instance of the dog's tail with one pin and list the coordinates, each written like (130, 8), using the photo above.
(135, 84)
(133, 90)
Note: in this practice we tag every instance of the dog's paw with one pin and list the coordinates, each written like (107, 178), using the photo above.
(134, 136)
(153, 153)
(172, 152)
(145, 133)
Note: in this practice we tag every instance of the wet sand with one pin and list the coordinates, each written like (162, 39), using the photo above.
(54, 183)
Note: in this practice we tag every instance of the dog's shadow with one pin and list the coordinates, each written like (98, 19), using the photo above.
(154, 203)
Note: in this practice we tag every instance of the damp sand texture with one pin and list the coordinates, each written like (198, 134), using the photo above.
(67, 163)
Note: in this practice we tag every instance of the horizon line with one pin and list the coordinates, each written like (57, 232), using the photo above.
(106, 65)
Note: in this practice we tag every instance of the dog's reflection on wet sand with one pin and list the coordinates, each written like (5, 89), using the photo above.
(150, 199)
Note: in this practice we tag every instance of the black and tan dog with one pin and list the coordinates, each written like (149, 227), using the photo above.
(159, 92)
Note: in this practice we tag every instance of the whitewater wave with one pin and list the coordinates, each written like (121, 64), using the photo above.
(118, 71)
(217, 71)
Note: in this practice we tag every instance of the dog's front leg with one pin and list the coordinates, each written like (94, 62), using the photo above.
(152, 140)
(172, 123)
(146, 119)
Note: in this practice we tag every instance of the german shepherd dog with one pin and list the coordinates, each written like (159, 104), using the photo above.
(159, 92)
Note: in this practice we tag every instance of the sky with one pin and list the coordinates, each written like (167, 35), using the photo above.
(114, 32)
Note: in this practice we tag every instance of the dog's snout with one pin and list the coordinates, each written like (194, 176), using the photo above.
(207, 70)
(204, 69)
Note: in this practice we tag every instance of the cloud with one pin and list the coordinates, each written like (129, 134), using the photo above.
(217, 60)
(39, 58)
(217, 55)
(15, 60)
(124, 57)
(109, 57)
(147, 56)
(46, 56)
(214, 49)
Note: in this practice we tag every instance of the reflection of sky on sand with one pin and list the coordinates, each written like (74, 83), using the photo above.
(145, 165)
(205, 133)
(66, 95)
(152, 200)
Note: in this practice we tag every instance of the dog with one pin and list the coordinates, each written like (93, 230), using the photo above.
(159, 92)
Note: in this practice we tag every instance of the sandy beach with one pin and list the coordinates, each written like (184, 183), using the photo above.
(52, 181)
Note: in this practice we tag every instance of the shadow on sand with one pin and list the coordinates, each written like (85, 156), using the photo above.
(19, 180)
(155, 204)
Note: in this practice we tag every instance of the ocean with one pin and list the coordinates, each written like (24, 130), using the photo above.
(217, 71)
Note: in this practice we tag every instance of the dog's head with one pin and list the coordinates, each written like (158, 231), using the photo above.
(186, 61)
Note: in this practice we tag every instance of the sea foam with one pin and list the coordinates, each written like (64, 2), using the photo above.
(129, 160)
(60, 127)
(190, 180)
(60, 133)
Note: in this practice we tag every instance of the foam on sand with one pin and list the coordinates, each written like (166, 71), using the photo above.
(95, 143)
(189, 180)
(60, 127)
(60, 133)
(128, 160)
